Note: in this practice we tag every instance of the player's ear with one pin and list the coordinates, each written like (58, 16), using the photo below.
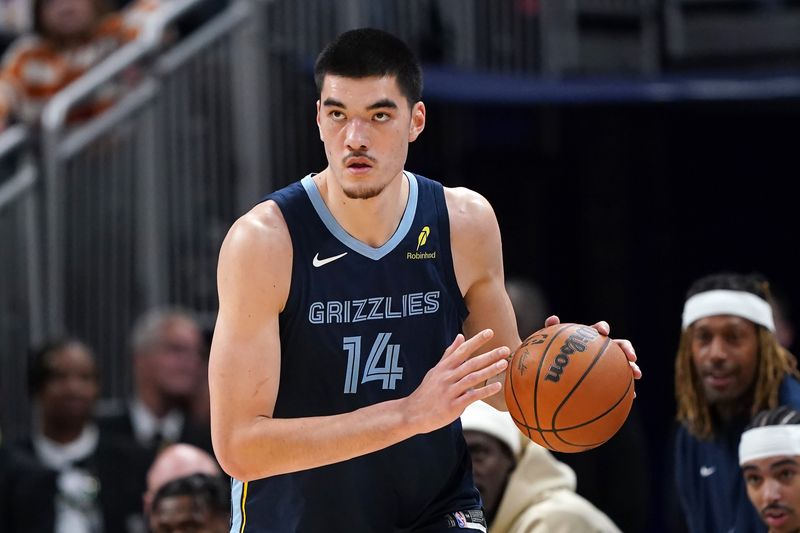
(317, 119)
(417, 121)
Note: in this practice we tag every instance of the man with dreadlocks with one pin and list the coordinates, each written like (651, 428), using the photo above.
(769, 455)
(729, 367)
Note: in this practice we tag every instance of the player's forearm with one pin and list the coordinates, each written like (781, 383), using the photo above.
(271, 446)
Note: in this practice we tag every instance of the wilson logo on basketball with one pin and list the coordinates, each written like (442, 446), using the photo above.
(576, 342)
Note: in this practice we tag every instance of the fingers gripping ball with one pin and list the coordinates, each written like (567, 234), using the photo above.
(569, 388)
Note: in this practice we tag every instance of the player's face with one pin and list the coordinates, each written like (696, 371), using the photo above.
(773, 487)
(71, 388)
(366, 125)
(725, 354)
(491, 466)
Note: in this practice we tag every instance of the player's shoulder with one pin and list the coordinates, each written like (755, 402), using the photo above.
(262, 231)
(469, 211)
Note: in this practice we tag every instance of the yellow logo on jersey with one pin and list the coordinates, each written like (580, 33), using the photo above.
(421, 240)
(423, 236)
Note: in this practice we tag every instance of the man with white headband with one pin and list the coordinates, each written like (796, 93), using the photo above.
(769, 454)
(729, 366)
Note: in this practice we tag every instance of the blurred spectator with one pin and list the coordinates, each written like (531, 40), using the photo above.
(99, 478)
(168, 360)
(176, 461)
(610, 469)
(199, 503)
(524, 488)
(69, 37)
(26, 488)
(530, 305)
(729, 367)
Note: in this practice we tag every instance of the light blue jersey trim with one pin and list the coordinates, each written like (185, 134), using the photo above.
(350, 241)
(236, 505)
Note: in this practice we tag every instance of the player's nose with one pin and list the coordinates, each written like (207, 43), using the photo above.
(357, 135)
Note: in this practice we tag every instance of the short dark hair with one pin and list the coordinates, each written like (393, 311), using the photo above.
(779, 416)
(368, 52)
(39, 370)
(754, 283)
(204, 489)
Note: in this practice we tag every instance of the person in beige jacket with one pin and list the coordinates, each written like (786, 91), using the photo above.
(523, 487)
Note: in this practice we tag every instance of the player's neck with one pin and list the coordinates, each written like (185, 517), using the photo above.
(372, 221)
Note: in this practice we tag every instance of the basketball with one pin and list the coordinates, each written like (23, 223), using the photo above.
(569, 388)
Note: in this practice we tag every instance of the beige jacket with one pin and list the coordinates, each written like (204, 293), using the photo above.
(540, 498)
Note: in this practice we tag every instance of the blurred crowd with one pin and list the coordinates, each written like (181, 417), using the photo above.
(48, 44)
(123, 466)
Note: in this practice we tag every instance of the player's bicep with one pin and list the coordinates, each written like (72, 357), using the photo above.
(244, 368)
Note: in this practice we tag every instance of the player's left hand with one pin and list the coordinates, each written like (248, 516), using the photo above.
(605, 329)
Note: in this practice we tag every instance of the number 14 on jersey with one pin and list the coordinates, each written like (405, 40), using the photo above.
(381, 363)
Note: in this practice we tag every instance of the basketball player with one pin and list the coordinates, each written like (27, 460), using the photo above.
(337, 371)
(729, 366)
(769, 454)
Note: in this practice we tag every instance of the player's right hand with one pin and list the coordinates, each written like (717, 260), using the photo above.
(458, 380)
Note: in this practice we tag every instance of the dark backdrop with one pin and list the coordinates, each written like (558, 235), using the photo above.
(614, 209)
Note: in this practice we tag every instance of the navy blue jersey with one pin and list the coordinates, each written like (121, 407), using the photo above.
(363, 325)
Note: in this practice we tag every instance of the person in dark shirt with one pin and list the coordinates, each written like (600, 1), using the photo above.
(729, 366)
(99, 478)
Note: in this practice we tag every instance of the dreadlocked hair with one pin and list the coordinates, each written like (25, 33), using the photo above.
(774, 361)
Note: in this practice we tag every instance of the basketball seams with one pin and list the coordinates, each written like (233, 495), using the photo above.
(577, 384)
(524, 421)
(593, 420)
(536, 381)
(611, 409)
(516, 400)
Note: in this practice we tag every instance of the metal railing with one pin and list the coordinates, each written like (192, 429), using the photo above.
(21, 320)
(139, 199)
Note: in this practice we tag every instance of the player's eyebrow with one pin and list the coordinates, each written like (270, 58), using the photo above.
(333, 103)
(382, 103)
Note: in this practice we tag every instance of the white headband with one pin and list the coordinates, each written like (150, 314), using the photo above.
(769, 441)
(723, 302)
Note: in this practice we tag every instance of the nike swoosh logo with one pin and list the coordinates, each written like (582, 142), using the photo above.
(706, 471)
(317, 262)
